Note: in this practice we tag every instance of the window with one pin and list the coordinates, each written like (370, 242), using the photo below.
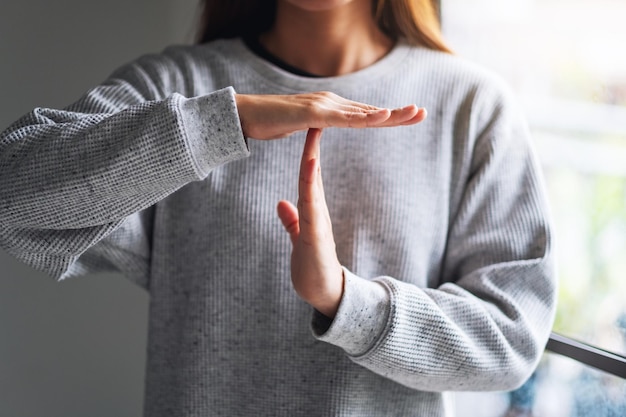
(566, 62)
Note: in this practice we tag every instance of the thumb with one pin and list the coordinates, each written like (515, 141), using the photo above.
(288, 215)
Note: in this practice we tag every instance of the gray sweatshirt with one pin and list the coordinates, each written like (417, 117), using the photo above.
(441, 227)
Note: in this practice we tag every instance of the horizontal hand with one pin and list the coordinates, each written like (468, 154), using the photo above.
(277, 116)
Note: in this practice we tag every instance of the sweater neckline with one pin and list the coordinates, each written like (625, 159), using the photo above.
(283, 79)
(253, 44)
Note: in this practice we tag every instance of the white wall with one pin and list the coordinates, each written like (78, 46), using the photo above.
(75, 348)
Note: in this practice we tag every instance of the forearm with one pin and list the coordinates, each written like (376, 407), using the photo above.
(447, 338)
(71, 170)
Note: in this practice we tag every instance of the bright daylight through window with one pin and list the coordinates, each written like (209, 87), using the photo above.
(566, 61)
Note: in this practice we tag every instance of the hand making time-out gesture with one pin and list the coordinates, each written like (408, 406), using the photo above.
(316, 273)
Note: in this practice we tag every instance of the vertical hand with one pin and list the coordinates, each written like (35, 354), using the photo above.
(316, 273)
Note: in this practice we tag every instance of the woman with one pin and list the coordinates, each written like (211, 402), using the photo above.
(435, 276)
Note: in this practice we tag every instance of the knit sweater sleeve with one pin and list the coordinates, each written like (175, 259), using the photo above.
(70, 178)
(486, 324)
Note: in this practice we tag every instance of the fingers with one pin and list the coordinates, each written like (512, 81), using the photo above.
(355, 117)
(310, 221)
(419, 117)
(336, 111)
(309, 195)
(311, 150)
(370, 119)
(405, 116)
(358, 115)
(288, 215)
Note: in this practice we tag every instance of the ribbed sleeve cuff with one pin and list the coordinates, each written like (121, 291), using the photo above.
(213, 130)
(361, 317)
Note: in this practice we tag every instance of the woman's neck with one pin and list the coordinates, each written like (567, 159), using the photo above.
(332, 42)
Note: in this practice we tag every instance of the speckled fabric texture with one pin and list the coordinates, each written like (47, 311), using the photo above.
(441, 227)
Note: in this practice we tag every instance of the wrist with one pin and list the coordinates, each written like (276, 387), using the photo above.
(242, 102)
(328, 303)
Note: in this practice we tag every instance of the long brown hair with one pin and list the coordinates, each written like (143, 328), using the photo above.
(415, 20)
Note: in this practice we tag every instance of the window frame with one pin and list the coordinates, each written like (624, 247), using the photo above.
(604, 360)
